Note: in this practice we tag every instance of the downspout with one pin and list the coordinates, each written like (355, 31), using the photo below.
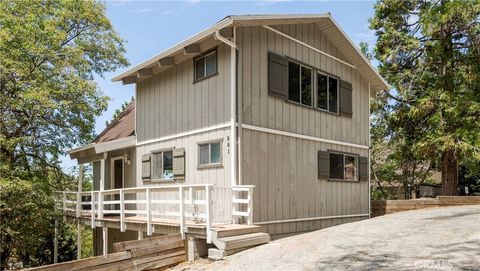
(233, 102)
(369, 167)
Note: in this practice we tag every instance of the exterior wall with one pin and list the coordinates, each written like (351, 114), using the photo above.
(220, 176)
(284, 169)
(170, 103)
(260, 109)
(284, 172)
(129, 170)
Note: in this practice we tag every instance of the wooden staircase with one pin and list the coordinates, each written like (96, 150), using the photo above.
(231, 240)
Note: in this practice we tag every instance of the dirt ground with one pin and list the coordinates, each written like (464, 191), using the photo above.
(429, 239)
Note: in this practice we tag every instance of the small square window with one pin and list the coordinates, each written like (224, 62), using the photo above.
(162, 165)
(205, 65)
(343, 167)
(209, 154)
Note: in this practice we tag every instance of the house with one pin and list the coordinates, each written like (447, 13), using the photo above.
(257, 125)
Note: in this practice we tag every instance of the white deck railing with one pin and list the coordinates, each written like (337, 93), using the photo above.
(242, 202)
(179, 203)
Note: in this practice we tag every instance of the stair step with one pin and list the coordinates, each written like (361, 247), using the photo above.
(240, 241)
(234, 231)
(217, 254)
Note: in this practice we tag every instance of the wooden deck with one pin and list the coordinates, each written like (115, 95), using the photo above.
(160, 226)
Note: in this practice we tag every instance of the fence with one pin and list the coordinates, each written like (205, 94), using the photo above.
(382, 207)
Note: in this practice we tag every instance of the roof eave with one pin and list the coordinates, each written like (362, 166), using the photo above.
(179, 46)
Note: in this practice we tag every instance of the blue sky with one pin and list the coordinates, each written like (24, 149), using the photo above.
(150, 27)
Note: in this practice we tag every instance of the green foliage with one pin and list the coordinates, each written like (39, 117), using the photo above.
(429, 52)
(50, 51)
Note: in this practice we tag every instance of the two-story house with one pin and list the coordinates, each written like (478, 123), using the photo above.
(260, 120)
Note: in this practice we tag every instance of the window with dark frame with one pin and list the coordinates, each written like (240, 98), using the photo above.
(209, 153)
(343, 167)
(162, 165)
(300, 81)
(205, 65)
(327, 93)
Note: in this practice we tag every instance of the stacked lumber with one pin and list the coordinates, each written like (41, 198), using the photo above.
(152, 253)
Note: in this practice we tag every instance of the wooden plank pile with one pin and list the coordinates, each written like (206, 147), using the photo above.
(148, 254)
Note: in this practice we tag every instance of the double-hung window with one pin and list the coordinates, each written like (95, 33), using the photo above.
(343, 167)
(327, 93)
(205, 65)
(210, 154)
(162, 165)
(300, 82)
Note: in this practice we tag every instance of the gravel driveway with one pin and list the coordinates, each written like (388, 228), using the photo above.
(429, 239)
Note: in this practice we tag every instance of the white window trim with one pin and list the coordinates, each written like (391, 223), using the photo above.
(343, 161)
(153, 163)
(210, 165)
(328, 93)
(204, 65)
(313, 88)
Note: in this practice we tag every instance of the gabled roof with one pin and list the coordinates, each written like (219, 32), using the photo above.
(117, 135)
(325, 22)
(123, 126)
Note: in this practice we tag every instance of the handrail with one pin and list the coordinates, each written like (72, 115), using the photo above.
(144, 206)
(248, 201)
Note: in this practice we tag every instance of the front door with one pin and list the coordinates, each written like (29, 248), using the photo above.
(117, 177)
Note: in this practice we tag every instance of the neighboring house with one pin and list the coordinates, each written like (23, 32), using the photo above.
(259, 119)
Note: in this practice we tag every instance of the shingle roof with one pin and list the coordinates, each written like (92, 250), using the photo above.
(123, 126)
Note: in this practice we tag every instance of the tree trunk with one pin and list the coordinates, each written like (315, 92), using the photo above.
(449, 173)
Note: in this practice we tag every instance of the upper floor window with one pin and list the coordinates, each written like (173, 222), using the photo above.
(327, 93)
(300, 83)
(205, 65)
(209, 153)
(162, 165)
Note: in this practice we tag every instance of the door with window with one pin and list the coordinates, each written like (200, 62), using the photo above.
(117, 177)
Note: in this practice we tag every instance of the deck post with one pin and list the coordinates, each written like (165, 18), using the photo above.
(79, 190)
(122, 210)
(209, 212)
(149, 212)
(105, 240)
(92, 209)
(102, 187)
(250, 206)
(55, 242)
(64, 200)
(140, 235)
(79, 240)
(181, 212)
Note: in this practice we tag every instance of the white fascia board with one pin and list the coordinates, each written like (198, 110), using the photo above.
(115, 144)
(178, 47)
(387, 85)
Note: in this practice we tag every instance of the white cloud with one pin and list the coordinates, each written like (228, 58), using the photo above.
(266, 3)
(141, 11)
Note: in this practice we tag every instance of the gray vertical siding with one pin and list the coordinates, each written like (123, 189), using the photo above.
(170, 103)
(260, 109)
(284, 169)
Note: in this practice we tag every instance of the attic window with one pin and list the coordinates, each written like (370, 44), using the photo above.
(205, 66)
